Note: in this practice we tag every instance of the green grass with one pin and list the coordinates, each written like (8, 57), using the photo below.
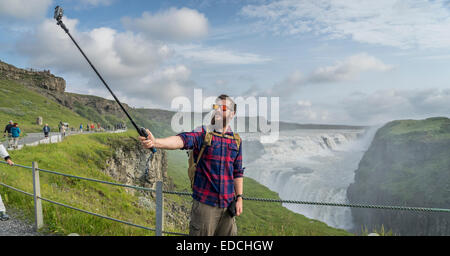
(258, 218)
(24, 106)
(81, 155)
(430, 129)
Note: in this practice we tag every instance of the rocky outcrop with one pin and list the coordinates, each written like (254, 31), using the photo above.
(33, 78)
(407, 164)
(128, 165)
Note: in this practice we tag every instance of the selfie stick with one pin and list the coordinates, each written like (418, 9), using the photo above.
(58, 16)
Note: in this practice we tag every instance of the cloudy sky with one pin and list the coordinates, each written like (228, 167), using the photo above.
(359, 62)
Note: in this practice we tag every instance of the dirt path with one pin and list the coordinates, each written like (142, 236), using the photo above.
(17, 226)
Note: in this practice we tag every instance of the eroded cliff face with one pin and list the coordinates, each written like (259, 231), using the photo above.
(128, 166)
(33, 78)
(407, 164)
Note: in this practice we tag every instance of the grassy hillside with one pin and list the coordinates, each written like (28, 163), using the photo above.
(81, 155)
(23, 106)
(435, 128)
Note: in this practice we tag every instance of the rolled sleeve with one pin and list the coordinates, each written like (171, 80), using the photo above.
(191, 140)
(238, 171)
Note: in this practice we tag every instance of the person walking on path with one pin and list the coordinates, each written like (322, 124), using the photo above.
(218, 177)
(7, 132)
(46, 130)
(63, 131)
(81, 128)
(15, 133)
(4, 155)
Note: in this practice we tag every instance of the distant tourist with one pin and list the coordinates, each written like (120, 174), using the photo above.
(63, 131)
(4, 154)
(15, 133)
(8, 133)
(46, 130)
(81, 128)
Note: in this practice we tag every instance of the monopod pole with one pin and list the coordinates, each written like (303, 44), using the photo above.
(58, 16)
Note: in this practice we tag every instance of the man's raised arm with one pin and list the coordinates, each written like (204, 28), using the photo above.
(172, 142)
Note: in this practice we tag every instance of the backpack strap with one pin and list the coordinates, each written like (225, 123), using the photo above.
(206, 142)
(235, 137)
(208, 138)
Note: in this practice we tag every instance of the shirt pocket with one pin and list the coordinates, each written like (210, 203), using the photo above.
(213, 150)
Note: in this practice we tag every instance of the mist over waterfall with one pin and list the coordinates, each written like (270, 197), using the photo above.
(309, 165)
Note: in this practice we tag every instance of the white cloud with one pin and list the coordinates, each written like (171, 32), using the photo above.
(345, 70)
(166, 84)
(304, 103)
(306, 112)
(402, 24)
(96, 2)
(348, 69)
(111, 50)
(373, 108)
(134, 66)
(386, 105)
(174, 24)
(214, 55)
(24, 9)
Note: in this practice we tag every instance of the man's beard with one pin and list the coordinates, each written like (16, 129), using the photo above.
(224, 120)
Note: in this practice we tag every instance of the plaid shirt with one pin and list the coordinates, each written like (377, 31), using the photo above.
(221, 163)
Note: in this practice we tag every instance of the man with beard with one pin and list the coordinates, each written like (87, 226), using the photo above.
(218, 181)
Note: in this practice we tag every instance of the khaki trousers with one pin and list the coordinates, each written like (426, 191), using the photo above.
(209, 220)
(10, 141)
(15, 142)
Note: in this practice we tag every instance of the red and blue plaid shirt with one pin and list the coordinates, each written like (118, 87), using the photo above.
(220, 164)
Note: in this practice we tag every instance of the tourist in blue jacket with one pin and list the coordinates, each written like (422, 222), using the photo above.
(15, 132)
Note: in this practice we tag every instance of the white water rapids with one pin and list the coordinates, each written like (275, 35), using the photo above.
(312, 165)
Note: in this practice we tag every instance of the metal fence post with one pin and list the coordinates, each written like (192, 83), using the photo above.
(39, 220)
(159, 208)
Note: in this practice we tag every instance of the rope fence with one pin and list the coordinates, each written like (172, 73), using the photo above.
(159, 201)
(98, 181)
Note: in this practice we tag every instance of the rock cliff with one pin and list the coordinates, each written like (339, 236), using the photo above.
(128, 165)
(407, 164)
(33, 78)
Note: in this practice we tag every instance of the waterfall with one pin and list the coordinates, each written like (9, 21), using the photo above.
(311, 165)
